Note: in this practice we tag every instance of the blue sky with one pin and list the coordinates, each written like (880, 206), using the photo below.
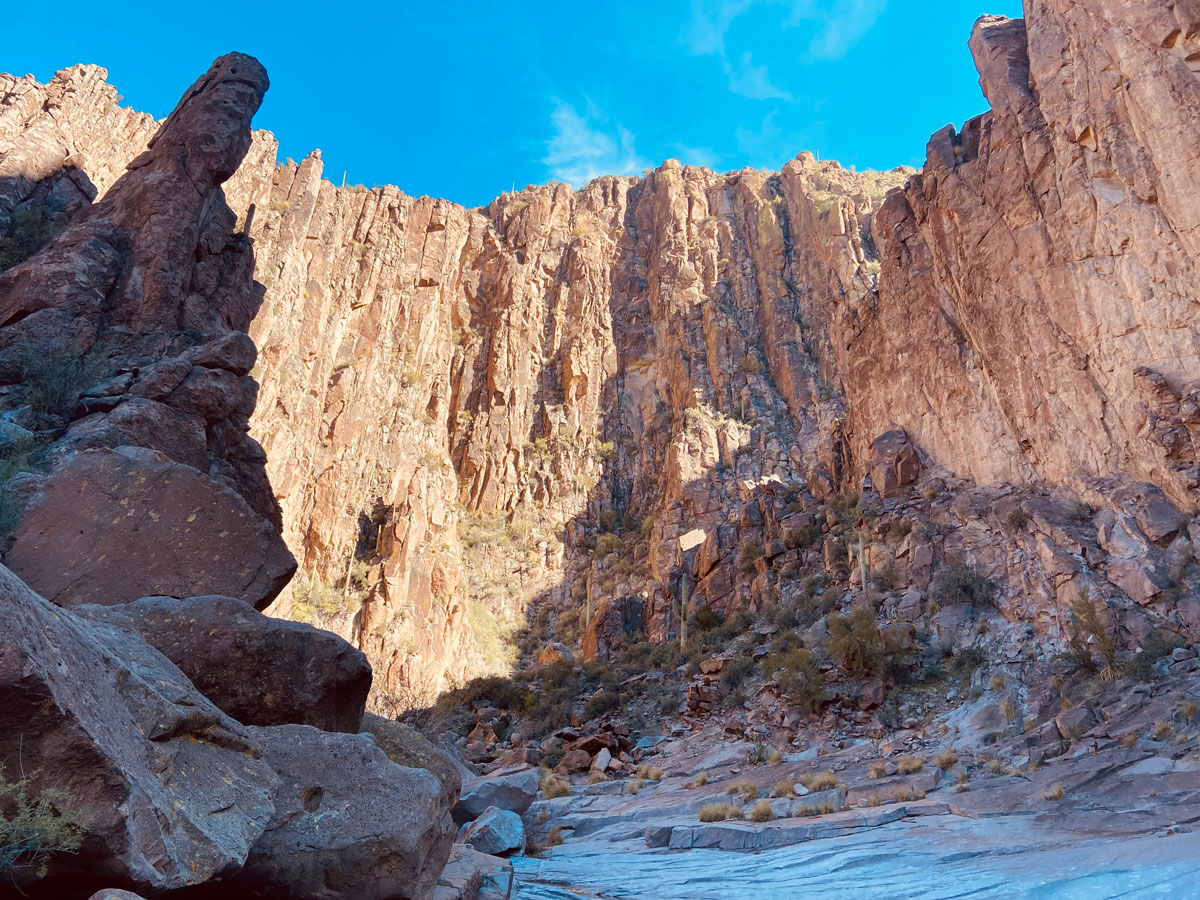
(466, 99)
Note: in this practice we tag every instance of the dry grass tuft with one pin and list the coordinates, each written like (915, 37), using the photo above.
(1055, 793)
(719, 812)
(910, 765)
(762, 811)
(552, 786)
(946, 760)
(820, 781)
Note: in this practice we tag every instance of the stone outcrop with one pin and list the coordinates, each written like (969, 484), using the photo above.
(258, 670)
(1037, 304)
(168, 790)
(128, 331)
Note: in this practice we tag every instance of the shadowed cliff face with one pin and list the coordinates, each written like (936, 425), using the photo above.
(591, 401)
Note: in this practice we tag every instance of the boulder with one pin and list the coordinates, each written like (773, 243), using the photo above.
(114, 894)
(406, 746)
(170, 791)
(514, 792)
(574, 762)
(1075, 722)
(349, 823)
(555, 653)
(471, 875)
(111, 526)
(894, 463)
(260, 670)
(496, 832)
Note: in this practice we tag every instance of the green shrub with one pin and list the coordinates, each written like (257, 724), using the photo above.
(1018, 519)
(33, 827)
(706, 618)
(798, 677)
(856, 643)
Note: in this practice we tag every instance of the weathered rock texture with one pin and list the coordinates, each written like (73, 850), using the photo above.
(598, 401)
(1037, 308)
(349, 823)
(128, 330)
(259, 670)
(168, 790)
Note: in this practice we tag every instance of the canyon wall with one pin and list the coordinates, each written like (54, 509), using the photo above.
(589, 403)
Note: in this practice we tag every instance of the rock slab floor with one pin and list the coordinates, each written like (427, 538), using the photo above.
(936, 858)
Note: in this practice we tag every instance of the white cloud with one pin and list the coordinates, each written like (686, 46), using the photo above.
(836, 25)
(752, 81)
(840, 23)
(583, 148)
(709, 22)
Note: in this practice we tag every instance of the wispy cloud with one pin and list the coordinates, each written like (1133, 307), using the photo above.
(840, 24)
(835, 27)
(709, 22)
(585, 146)
(752, 81)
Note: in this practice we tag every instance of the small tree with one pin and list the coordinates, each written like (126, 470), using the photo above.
(856, 643)
(1086, 621)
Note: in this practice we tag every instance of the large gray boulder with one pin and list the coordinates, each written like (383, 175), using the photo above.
(168, 790)
(514, 792)
(260, 670)
(496, 832)
(349, 823)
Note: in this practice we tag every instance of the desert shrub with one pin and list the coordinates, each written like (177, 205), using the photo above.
(602, 702)
(855, 642)
(552, 786)
(910, 765)
(1018, 519)
(606, 544)
(783, 788)
(719, 812)
(33, 826)
(748, 789)
(1085, 623)
(959, 583)
(706, 618)
(798, 677)
(967, 661)
(737, 671)
(762, 811)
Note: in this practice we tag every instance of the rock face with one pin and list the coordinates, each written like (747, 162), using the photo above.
(169, 791)
(639, 399)
(258, 670)
(1036, 316)
(348, 822)
(128, 330)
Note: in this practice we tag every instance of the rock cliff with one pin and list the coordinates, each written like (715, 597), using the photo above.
(591, 404)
